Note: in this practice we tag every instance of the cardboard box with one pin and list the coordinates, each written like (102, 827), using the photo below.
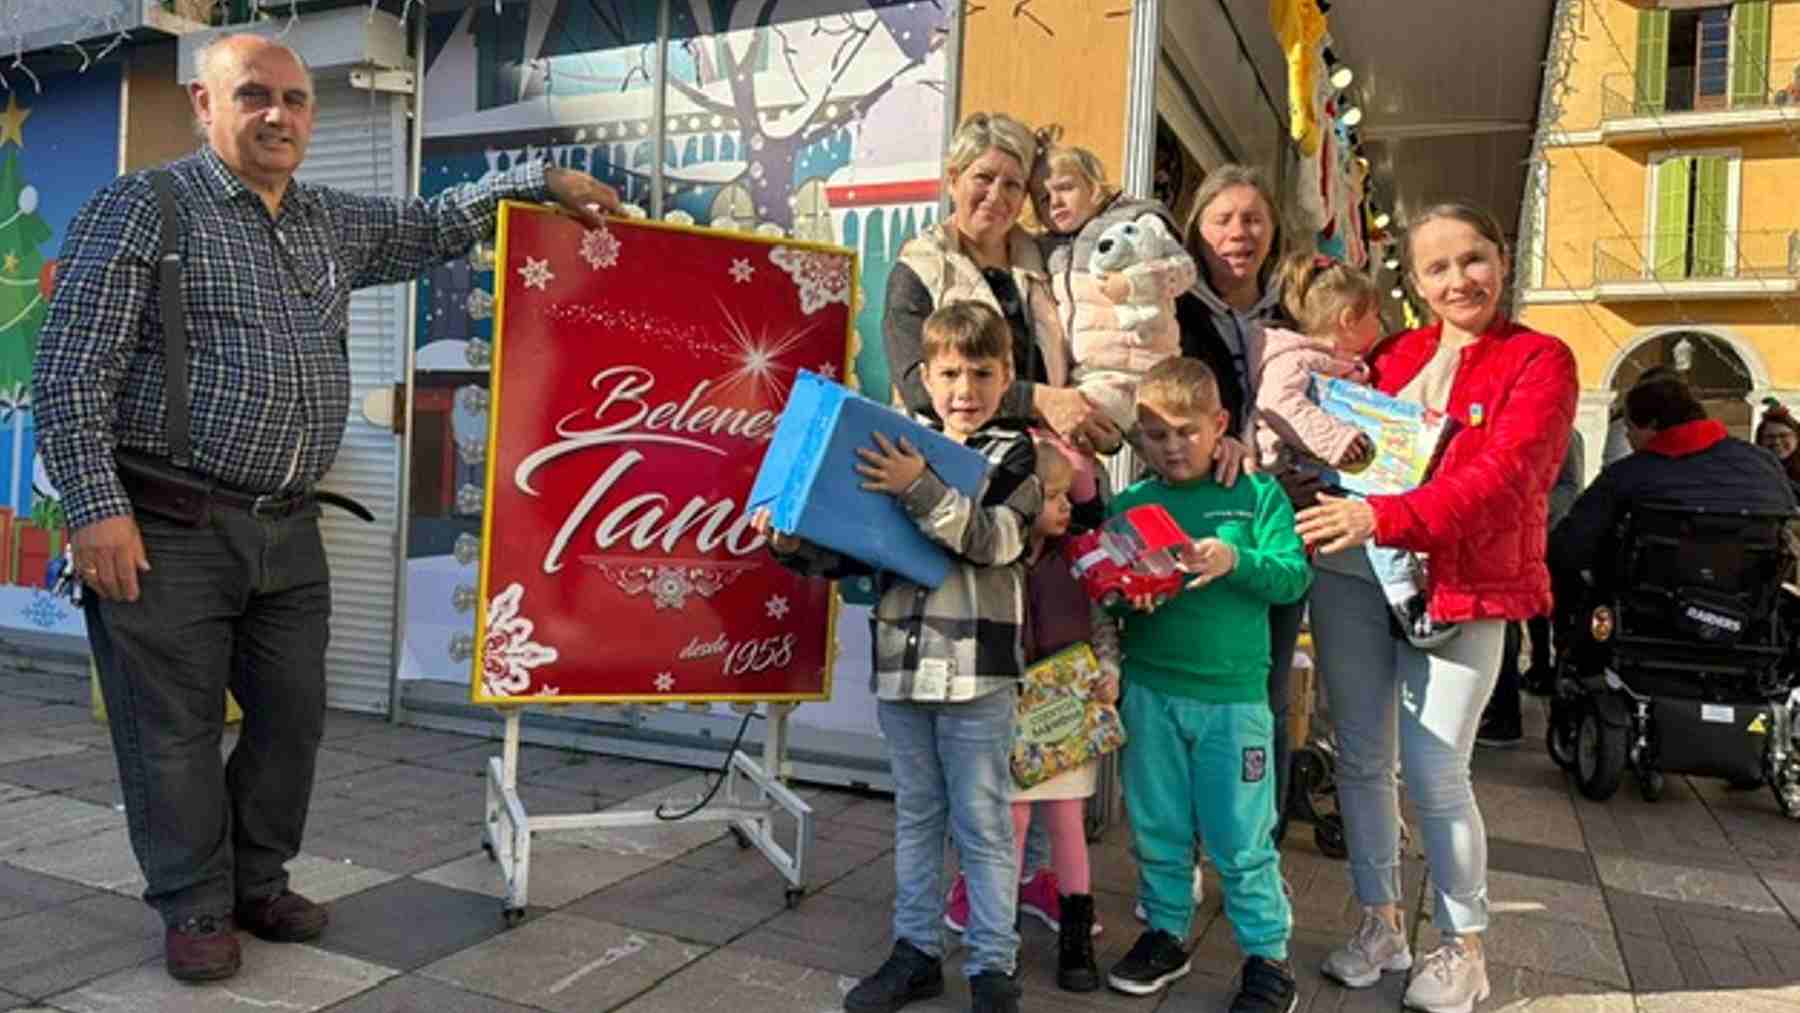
(809, 483)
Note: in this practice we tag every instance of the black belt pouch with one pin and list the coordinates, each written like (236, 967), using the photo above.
(161, 489)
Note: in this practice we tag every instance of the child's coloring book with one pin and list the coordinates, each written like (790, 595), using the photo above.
(1406, 436)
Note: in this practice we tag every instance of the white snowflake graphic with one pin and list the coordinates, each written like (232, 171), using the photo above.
(828, 370)
(776, 606)
(741, 270)
(600, 248)
(508, 654)
(536, 273)
(665, 681)
(821, 278)
(670, 587)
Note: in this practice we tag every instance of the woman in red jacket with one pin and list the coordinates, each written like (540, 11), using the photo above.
(1480, 520)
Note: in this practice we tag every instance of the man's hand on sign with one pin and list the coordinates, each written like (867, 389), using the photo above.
(588, 199)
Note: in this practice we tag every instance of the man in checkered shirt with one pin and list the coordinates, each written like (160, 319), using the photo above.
(177, 613)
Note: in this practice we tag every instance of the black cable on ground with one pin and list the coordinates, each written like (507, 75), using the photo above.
(724, 772)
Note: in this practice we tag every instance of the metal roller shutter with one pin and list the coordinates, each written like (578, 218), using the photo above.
(359, 144)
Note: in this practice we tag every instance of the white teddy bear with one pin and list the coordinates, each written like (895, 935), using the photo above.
(1132, 249)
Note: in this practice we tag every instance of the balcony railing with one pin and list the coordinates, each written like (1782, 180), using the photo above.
(1697, 257)
(1704, 88)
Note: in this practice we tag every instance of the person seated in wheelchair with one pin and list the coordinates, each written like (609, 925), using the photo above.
(1680, 458)
(1667, 575)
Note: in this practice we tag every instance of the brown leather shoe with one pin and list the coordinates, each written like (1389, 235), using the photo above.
(284, 918)
(201, 948)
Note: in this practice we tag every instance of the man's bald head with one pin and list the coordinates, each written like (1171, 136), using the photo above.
(253, 102)
(227, 53)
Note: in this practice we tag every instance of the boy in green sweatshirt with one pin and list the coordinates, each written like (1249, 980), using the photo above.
(1196, 702)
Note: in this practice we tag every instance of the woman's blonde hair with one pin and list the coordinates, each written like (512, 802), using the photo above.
(982, 131)
(1221, 179)
(1316, 290)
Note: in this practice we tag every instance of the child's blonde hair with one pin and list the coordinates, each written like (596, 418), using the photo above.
(1053, 468)
(1056, 157)
(1316, 290)
(971, 329)
(1182, 386)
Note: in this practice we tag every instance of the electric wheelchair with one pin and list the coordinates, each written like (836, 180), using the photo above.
(1680, 660)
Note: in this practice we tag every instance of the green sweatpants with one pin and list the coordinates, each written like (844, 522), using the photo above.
(1197, 769)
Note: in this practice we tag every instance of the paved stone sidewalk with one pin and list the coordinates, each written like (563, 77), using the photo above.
(1685, 905)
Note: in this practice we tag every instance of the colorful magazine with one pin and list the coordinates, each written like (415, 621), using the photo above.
(1406, 436)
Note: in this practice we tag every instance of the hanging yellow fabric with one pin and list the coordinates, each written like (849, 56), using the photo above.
(1300, 29)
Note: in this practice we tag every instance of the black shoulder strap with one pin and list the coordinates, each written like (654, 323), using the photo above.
(174, 321)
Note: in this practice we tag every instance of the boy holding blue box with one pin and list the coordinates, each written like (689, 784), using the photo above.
(1196, 700)
(946, 668)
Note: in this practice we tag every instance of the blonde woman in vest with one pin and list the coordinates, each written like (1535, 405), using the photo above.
(980, 252)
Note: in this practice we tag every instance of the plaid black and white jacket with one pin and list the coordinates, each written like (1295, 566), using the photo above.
(971, 627)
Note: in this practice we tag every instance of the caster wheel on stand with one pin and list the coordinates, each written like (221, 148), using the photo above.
(512, 916)
(1651, 785)
(742, 839)
(792, 897)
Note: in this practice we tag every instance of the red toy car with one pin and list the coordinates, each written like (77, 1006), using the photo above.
(1132, 554)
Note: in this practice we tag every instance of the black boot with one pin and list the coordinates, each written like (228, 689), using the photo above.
(1075, 967)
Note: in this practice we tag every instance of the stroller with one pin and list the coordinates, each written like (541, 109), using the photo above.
(1679, 662)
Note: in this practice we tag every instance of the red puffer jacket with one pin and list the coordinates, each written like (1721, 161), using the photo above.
(1482, 514)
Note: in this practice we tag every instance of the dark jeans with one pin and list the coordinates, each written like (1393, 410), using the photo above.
(1284, 633)
(240, 603)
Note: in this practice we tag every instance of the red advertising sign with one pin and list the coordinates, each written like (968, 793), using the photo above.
(638, 372)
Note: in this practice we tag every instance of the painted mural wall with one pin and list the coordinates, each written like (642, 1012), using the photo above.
(819, 119)
(58, 144)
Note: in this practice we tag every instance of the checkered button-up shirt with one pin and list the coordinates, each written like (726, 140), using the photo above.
(267, 304)
(971, 626)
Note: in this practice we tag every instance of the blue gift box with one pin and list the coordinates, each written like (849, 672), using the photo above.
(809, 483)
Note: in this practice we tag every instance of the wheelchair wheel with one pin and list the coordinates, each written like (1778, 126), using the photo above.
(1328, 835)
(1599, 756)
(1310, 784)
(1560, 734)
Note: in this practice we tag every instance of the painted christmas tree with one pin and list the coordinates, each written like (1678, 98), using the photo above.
(23, 234)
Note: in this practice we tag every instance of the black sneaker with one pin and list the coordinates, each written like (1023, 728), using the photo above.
(1156, 959)
(993, 992)
(1266, 986)
(1538, 680)
(908, 974)
(1496, 732)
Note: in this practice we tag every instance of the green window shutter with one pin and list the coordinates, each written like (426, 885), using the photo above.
(1712, 182)
(1750, 53)
(1652, 71)
(1669, 245)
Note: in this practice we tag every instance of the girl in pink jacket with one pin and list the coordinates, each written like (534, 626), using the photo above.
(1335, 306)
(1116, 266)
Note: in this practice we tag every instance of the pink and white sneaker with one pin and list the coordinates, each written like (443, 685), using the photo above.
(956, 905)
(1040, 898)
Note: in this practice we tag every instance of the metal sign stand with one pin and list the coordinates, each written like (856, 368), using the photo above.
(747, 801)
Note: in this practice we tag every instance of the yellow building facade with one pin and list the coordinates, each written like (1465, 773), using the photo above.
(1668, 228)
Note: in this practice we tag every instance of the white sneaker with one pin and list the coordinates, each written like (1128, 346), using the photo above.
(1199, 896)
(1375, 949)
(1451, 979)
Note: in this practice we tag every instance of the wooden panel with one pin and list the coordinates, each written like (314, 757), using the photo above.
(158, 119)
(1053, 61)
